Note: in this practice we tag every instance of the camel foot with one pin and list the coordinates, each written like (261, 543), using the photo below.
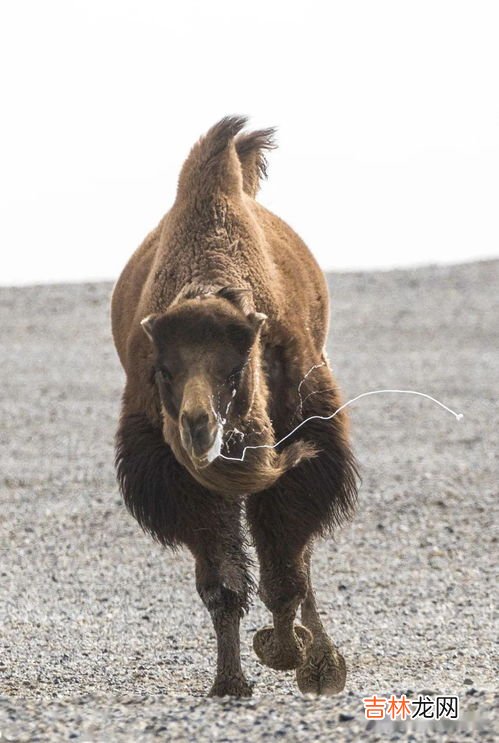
(231, 686)
(324, 670)
(282, 656)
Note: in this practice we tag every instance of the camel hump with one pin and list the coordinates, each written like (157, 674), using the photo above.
(251, 148)
(213, 167)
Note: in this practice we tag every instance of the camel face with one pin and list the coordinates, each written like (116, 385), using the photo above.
(205, 355)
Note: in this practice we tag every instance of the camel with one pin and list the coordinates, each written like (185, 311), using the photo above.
(220, 320)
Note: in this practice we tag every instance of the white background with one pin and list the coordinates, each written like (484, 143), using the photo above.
(388, 121)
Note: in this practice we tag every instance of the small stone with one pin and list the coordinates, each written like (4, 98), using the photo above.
(345, 717)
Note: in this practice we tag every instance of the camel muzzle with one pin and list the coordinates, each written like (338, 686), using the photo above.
(201, 438)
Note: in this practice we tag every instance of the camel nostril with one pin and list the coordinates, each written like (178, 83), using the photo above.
(194, 422)
(197, 430)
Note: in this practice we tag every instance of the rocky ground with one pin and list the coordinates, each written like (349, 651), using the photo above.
(103, 637)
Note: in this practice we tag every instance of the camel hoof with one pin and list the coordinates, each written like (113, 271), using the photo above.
(232, 686)
(282, 657)
(324, 670)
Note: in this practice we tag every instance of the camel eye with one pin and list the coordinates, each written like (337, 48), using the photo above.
(235, 374)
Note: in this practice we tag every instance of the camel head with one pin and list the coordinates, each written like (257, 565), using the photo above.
(207, 362)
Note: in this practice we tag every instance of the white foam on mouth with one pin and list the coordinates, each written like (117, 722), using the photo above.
(215, 449)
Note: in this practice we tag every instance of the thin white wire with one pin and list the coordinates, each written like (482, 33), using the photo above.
(458, 416)
(312, 368)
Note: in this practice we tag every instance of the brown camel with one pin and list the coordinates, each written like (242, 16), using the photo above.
(220, 319)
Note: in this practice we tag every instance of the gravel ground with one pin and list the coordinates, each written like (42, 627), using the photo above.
(103, 636)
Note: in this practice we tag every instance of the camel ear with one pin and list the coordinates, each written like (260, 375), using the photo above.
(257, 319)
(148, 324)
(239, 296)
(242, 298)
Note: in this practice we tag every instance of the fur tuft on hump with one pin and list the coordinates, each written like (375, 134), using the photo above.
(213, 166)
(251, 148)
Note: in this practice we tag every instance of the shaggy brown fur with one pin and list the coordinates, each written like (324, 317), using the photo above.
(217, 318)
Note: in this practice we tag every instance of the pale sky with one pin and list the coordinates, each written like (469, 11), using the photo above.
(388, 117)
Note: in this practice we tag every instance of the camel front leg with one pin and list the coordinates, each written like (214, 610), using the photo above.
(306, 502)
(169, 504)
(283, 646)
(283, 584)
(324, 668)
(225, 597)
(224, 583)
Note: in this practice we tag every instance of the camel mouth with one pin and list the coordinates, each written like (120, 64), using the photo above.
(204, 459)
(200, 463)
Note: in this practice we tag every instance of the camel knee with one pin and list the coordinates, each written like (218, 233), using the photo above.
(220, 599)
(222, 592)
(282, 592)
